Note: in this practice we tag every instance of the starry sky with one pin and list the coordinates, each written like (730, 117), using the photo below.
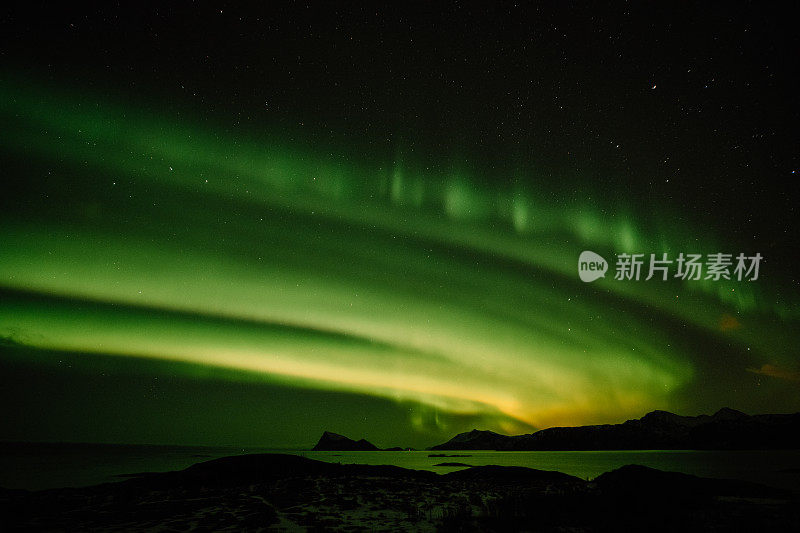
(228, 227)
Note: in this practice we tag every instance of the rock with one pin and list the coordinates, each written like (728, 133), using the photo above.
(335, 442)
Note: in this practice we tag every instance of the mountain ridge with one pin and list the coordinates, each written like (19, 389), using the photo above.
(725, 429)
(333, 442)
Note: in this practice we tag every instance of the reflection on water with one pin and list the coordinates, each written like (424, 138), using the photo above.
(37, 466)
(780, 468)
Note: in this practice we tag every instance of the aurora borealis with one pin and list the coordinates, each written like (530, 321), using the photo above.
(176, 274)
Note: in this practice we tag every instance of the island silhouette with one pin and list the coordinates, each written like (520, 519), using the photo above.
(334, 442)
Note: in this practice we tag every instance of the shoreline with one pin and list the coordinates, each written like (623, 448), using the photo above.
(283, 491)
(54, 466)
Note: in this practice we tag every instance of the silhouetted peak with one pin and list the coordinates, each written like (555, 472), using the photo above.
(658, 413)
(476, 438)
(477, 433)
(726, 413)
(659, 416)
(330, 441)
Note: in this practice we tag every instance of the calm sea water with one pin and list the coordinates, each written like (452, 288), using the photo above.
(39, 466)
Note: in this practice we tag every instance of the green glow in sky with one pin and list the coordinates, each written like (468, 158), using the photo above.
(155, 237)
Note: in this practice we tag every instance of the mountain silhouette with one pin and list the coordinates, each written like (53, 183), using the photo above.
(330, 442)
(727, 429)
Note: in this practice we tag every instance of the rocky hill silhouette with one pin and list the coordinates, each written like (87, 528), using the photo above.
(727, 429)
(330, 442)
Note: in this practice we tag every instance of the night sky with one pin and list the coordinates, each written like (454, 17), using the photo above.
(226, 227)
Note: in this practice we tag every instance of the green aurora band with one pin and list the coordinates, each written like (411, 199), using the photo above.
(153, 237)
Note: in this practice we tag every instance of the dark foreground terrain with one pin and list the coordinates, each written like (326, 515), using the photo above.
(287, 492)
